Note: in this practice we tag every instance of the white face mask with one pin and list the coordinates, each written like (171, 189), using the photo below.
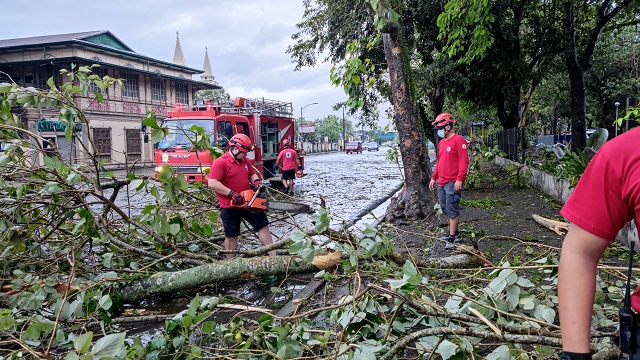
(441, 133)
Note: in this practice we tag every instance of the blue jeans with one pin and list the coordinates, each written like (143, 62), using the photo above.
(449, 200)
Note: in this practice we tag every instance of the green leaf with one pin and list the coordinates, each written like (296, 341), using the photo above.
(447, 349)
(501, 353)
(6, 322)
(108, 346)
(83, 342)
(396, 283)
(545, 313)
(174, 229)
(136, 184)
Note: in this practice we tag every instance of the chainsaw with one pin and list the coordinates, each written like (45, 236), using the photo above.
(256, 200)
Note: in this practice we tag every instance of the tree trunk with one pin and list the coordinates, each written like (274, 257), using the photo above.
(576, 80)
(172, 282)
(414, 200)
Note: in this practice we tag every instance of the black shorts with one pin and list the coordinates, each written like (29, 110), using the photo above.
(231, 219)
(288, 174)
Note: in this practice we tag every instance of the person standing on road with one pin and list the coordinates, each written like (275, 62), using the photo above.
(289, 161)
(604, 200)
(231, 174)
(450, 173)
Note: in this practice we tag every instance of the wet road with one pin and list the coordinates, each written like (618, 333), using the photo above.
(350, 185)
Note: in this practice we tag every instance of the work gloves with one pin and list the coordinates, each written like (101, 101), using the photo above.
(236, 198)
(256, 185)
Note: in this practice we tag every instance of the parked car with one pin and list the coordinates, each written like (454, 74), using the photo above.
(373, 146)
(354, 147)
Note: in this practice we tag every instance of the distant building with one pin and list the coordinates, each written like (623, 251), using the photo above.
(115, 124)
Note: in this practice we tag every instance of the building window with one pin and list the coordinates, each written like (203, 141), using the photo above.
(134, 145)
(93, 87)
(102, 141)
(158, 89)
(43, 75)
(130, 85)
(182, 93)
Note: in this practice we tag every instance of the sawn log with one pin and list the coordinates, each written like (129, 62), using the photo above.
(172, 282)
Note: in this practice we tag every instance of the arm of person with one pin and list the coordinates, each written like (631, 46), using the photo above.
(218, 187)
(581, 251)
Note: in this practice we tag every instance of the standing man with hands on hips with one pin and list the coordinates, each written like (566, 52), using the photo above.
(231, 174)
(450, 173)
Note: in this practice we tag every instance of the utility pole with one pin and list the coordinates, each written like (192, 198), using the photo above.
(344, 135)
(302, 108)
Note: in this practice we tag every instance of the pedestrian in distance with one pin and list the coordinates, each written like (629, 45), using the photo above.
(231, 174)
(606, 197)
(452, 166)
(289, 162)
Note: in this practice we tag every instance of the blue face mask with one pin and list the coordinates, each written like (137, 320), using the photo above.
(441, 133)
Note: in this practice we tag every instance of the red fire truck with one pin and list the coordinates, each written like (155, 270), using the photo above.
(266, 122)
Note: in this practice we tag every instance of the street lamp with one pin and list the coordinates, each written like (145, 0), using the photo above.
(302, 108)
(616, 104)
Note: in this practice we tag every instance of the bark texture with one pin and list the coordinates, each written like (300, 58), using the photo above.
(171, 282)
(413, 202)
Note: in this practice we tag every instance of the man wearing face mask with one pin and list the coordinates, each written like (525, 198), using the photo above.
(451, 170)
(231, 174)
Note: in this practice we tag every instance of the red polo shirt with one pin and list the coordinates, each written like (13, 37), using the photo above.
(453, 160)
(608, 193)
(232, 174)
(288, 158)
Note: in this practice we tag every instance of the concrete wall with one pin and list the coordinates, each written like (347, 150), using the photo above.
(558, 189)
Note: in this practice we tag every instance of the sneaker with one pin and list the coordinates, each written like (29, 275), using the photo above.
(452, 238)
(449, 246)
(286, 191)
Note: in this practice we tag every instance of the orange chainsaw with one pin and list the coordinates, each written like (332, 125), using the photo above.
(253, 200)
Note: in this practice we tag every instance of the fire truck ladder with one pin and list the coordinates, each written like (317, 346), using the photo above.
(270, 107)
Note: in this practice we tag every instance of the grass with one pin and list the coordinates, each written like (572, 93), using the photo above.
(484, 204)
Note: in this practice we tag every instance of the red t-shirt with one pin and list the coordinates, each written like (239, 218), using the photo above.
(288, 158)
(232, 174)
(453, 160)
(608, 193)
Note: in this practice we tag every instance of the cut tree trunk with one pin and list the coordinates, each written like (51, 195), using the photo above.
(413, 202)
(172, 282)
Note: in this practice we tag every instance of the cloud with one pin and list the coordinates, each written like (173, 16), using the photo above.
(246, 41)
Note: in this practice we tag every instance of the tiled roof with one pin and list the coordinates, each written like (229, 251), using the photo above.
(48, 39)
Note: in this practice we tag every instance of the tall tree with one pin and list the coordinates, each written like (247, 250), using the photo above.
(592, 17)
(350, 31)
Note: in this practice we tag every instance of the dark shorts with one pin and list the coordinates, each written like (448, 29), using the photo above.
(231, 219)
(449, 200)
(288, 174)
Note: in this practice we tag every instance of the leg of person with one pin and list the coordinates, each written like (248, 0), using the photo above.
(285, 184)
(291, 186)
(260, 224)
(453, 209)
(231, 219)
(230, 243)
(442, 199)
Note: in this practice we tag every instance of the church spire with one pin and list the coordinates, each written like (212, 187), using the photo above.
(178, 56)
(207, 76)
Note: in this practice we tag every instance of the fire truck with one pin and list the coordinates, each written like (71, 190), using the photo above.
(266, 122)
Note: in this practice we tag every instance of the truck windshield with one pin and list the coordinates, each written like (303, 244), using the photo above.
(181, 135)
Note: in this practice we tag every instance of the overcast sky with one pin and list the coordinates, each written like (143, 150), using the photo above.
(246, 41)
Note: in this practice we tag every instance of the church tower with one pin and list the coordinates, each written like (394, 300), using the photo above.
(178, 56)
(207, 76)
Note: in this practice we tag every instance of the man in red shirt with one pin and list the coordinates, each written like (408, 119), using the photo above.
(605, 199)
(289, 161)
(451, 170)
(231, 174)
